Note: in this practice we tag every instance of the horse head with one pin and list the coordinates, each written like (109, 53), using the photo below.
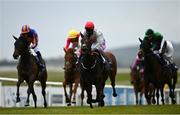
(70, 59)
(89, 57)
(144, 48)
(21, 47)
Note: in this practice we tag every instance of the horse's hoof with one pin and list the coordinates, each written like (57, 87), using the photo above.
(45, 105)
(74, 102)
(67, 100)
(18, 100)
(173, 101)
(115, 94)
(94, 101)
(101, 103)
(91, 106)
(27, 104)
(69, 104)
(88, 101)
(154, 101)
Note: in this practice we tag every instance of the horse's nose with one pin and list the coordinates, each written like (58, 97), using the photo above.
(15, 56)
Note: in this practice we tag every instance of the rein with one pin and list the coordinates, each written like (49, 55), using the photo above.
(89, 67)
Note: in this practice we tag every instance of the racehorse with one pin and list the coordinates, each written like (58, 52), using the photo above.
(111, 74)
(170, 63)
(71, 75)
(91, 73)
(28, 70)
(155, 73)
(137, 80)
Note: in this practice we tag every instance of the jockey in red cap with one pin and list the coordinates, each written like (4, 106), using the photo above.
(98, 42)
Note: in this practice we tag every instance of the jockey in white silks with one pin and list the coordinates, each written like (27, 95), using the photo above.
(98, 42)
(167, 50)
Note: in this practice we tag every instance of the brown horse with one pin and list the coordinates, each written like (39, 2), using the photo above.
(137, 79)
(28, 70)
(155, 73)
(71, 75)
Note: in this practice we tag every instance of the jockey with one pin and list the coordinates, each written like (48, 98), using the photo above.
(167, 52)
(155, 38)
(32, 38)
(138, 63)
(98, 42)
(73, 38)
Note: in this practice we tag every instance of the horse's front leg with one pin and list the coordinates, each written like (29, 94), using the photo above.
(17, 93)
(31, 90)
(157, 95)
(89, 95)
(28, 94)
(147, 96)
(100, 93)
(65, 92)
(136, 95)
(82, 95)
(162, 94)
(74, 92)
(70, 93)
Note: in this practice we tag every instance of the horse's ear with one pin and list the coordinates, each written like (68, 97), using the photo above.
(82, 36)
(15, 37)
(140, 40)
(64, 50)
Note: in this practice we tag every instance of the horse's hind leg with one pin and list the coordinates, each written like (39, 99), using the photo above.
(43, 84)
(34, 97)
(17, 93)
(112, 78)
(172, 96)
(174, 79)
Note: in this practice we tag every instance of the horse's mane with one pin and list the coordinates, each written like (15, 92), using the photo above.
(70, 50)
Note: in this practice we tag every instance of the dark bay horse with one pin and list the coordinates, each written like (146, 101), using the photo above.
(171, 66)
(155, 73)
(111, 74)
(28, 70)
(91, 73)
(71, 75)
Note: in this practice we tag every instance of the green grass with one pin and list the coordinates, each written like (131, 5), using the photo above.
(132, 109)
(58, 76)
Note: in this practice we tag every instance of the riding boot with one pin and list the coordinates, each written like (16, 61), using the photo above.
(173, 66)
(40, 61)
(106, 61)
